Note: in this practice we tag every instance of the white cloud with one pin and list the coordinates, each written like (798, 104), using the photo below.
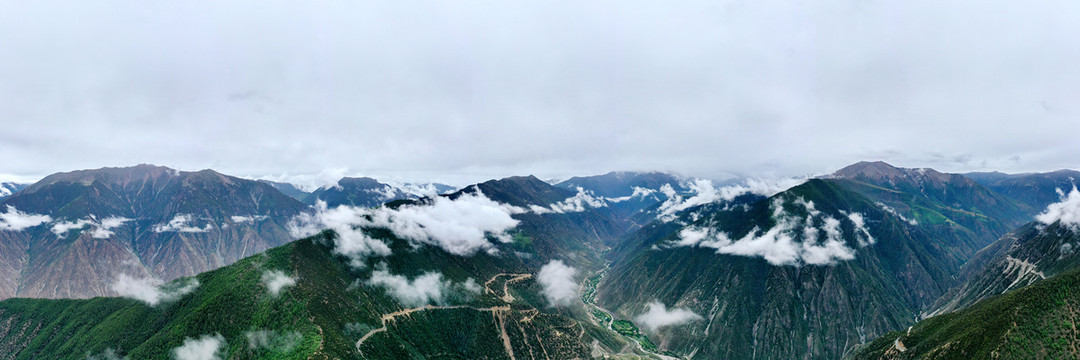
(659, 316)
(890, 210)
(419, 190)
(275, 281)
(1066, 249)
(471, 286)
(152, 291)
(103, 230)
(61, 228)
(764, 186)
(862, 234)
(246, 219)
(424, 289)
(1067, 211)
(791, 241)
(576, 203)
(16, 220)
(385, 193)
(272, 340)
(639, 192)
(461, 226)
(179, 223)
(704, 193)
(207, 347)
(325, 178)
(557, 282)
(348, 223)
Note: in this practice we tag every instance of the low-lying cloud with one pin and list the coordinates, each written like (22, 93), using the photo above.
(153, 291)
(419, 190)
(207, 347)
(658, 316)
(816, 239)
(272, 340)
(181, 223)
(103, 230)
(1067, 211)
(557, 283)
(890, 210)
(639, 192)
(428, 288)
(15, 220)
(276, 280)
(247, 219)
(461, 226)
(579, 202)
(62, 227)
(705, 193)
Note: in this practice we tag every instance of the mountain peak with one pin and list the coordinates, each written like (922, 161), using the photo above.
(870, 169)
(128, 174)
(882, 172)
(518, 191)
(365, 182)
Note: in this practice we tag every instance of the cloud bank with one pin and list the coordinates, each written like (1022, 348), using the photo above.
(207, 347)
(639, 192)
(890, 210)
(272, 340)
(557, 283)
(1067, 211)
(247, 219)
(179, 223)
(577, 203)
(703, 192)
(276, 280)
(816, 239)
(428, 288)
(153, 291)
(658, 316)
(461, 226)
(103, 230)
(15, 220)
(61, 228)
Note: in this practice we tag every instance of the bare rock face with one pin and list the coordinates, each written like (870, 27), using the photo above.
(141, 221)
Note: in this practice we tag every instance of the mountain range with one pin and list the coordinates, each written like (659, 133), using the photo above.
(8, 188)
(869, 262)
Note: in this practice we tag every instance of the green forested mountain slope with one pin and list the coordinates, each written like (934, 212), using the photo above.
(1034, 322)
(948, 206)
(752, 308)
(1029, 254)
(331, 312)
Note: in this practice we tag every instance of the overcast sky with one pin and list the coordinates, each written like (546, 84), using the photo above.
(461, 91)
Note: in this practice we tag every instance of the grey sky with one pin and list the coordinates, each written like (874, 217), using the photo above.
(461, 91)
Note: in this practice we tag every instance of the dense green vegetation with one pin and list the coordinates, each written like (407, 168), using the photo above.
(628, 329)
(230, 301)
(1035, 322)
(751, 308)
(322, 317)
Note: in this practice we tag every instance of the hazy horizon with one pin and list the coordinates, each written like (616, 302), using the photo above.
(477, 90)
